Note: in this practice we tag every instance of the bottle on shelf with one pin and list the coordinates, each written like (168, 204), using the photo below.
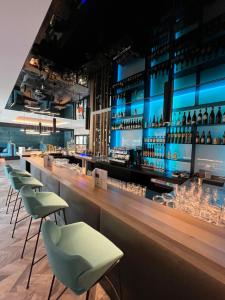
(189, 118)
(194, 119)
(183, 136)
(223, 118)
(212, 116)
(179, 140)
(197, 138)
(199, 120)
(157, 122)
(219, 116)
(223, 139)
(202, 140)
(178, 120)
(209, 138)
(184, 119)
(153, 121)
(205, 117)
(175, 136)
(161, 121)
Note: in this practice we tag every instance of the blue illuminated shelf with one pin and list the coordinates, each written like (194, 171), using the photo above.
(128, 117)
(179, 159)
(148, 157)
(210, 144)
(179, 143)
(156, 127)
(195, 107)
(209, 125)
(154, 143)
(127, 129)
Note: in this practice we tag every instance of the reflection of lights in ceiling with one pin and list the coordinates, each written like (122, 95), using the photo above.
(32, 107)
(35, 121)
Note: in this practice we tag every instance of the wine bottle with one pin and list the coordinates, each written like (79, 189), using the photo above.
(178, 120)
(219, 116)
(202, 141)
(194, 119)
(175, 136)
(223, 140)
(197, 139)
(205, 117)
(153, 121)
(189, 119)
(179, 136)
(183, 136)
(212, 116)
(224, 117)
(172, 136)
(199, 120)
(209, 138)
(184, 119)
(161, 121)
(157, 122)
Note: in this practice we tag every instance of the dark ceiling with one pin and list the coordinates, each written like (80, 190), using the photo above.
(86, 29)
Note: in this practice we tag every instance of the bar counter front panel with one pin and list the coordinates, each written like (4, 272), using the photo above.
(168, 254)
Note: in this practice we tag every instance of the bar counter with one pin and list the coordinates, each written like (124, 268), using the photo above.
(168, 254)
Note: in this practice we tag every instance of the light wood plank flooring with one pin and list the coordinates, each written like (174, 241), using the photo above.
(14, 271)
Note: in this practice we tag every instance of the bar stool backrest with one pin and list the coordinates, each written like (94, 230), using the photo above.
(7, 170)
(74, 271)
(30, 200)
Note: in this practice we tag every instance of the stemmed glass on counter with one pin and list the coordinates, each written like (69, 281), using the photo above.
(201, 201)
(134, 188)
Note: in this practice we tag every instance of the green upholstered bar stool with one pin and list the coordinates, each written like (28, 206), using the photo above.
(79, 255)
(39, 205)
(7, 170)
(17, 182)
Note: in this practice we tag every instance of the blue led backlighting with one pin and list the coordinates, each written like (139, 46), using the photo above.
(119, 72)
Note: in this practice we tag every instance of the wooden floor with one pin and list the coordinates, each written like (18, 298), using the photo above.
(14, 271)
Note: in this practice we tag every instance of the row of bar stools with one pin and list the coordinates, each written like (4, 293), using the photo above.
(17, 182)
(79, 256)
(8, 169)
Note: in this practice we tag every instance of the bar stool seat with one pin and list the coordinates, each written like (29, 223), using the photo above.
(78, 255)
(17, 182)
(39, 205)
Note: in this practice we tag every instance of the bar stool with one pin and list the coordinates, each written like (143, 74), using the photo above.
(39, 205)
(17, 182)
(7, 170)
(79, 255)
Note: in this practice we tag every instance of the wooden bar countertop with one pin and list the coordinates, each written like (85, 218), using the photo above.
(197, 242)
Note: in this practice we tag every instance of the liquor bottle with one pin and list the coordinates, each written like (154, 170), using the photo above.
(194, 119)
(190, 138)
(157, 122)
(212, 116)
(224, 117)
(184, 119)
(153, 121)
(209, 138)
(199, 120)
(202, 141)
(161, 121)
(175, 136)
(153, 151)
(223, 140)
(189, 119)
(171, 136)
(205, 117)
(183, 136)
(219, 116)
(197, 139)
(178, 120)
(179, 136)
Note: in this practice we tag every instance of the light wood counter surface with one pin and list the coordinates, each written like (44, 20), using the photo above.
(197, 242)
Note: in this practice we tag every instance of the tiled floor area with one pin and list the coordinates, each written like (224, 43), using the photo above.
(14, 271)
